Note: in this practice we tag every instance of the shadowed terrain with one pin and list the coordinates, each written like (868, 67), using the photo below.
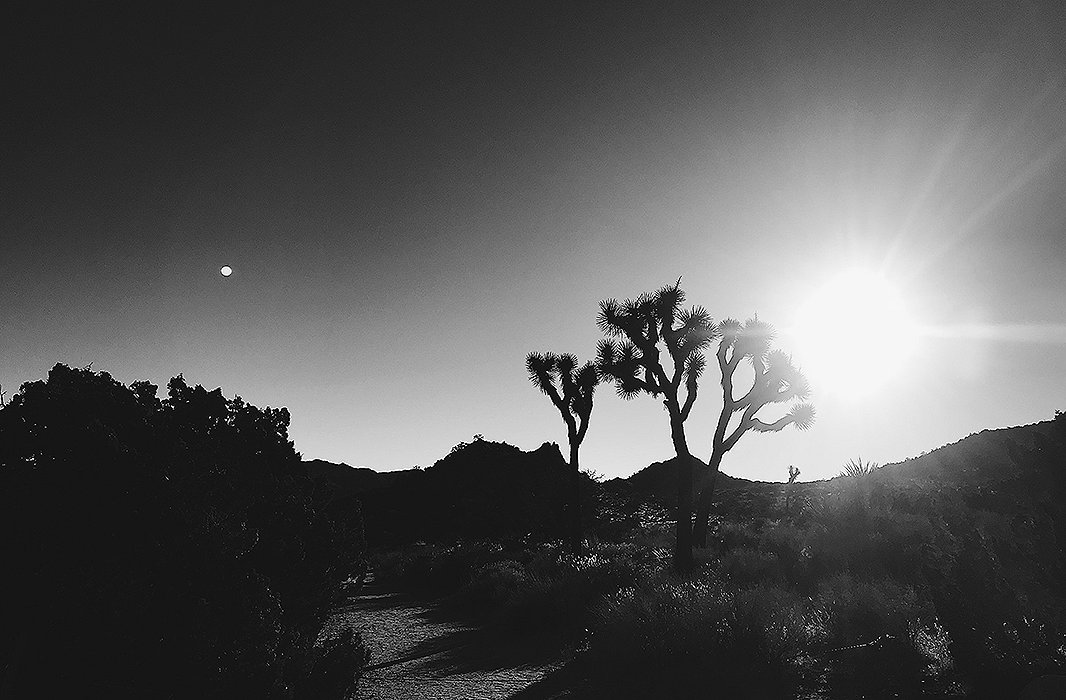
(180, 547)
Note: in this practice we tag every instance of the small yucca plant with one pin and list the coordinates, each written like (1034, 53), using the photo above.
(858, 468)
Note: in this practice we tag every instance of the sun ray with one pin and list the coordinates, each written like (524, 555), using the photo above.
(1052, 333)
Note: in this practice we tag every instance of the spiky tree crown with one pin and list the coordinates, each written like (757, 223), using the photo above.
(568, 386)
(777, 379)
(637, 329)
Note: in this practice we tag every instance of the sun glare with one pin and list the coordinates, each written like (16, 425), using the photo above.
(854, 335)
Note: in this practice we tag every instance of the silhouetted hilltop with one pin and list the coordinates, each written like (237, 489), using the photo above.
(480, 490)
(491, 490)
(989, 455)
(982, 458)
(341, 480)
(659, 481)
(657, 484)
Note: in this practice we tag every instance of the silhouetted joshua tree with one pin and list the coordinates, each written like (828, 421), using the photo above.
(630, 356)
(776, 380)
(570, 388)
(793, 474)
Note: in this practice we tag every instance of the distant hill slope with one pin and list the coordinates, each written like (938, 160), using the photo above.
(343, 480)
(480, 490)
(492, 489)
(989, 455)
(981, 458)
(659, 481)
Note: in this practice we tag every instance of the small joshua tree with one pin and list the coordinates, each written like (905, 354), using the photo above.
(775, 380)
(570, 388)
(793, 473)
(631, 356)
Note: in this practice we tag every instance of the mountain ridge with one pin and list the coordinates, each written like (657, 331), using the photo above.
(991, 448)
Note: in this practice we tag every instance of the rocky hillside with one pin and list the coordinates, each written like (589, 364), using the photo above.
(980, 460)
(480, 490)
(485, 489)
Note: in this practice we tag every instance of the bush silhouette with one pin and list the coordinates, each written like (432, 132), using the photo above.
(170, 547)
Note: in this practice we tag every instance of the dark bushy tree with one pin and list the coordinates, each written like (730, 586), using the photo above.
(570, 388)
(632, 357)
(160, 548)
(775, 380)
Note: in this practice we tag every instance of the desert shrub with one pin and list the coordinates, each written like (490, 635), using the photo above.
(697, 638)
(538, 592)
(493, 585)
(857, 611)
(548, 595)
(856, 468)
(401, 567)
(542, 609)
(791, 545)
(933, 643)
(435, 570)
(731, 534)
(883, 638)
(985, 566)
(745, 566)
(1000, 636)
(336, 667)
(860, 530)
(624, 516)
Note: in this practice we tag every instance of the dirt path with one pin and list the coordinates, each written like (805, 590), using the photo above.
(418, 650)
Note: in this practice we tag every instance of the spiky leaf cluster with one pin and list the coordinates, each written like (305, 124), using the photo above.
(751, 339)
(776, 380)
(639, 329)
(856, 468)
(569, 386)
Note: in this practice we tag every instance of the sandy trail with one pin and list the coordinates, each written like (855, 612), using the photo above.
(418, 650)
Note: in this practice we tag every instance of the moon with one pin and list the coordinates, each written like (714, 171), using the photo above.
(855, 334)
(226, 270)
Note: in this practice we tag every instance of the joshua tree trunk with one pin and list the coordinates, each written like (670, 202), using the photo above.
(703, 504)
(575, 500)
(570, 388)
(683, 546)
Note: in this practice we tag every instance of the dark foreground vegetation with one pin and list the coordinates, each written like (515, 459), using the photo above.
(940, 577)
(165, 548)
(178, 547)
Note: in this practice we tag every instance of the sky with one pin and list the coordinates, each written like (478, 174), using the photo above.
(414, 196)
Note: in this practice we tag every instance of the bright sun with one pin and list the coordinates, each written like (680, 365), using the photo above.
(854, 335)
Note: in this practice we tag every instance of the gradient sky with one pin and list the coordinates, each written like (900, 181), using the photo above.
(414, 197)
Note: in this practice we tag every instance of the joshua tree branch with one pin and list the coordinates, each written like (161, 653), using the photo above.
(582, 430)
(777, 425)
(689, 400)
(746, 421)
(553, 394)
(679, 372)
(662, 382)
(568, 418)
